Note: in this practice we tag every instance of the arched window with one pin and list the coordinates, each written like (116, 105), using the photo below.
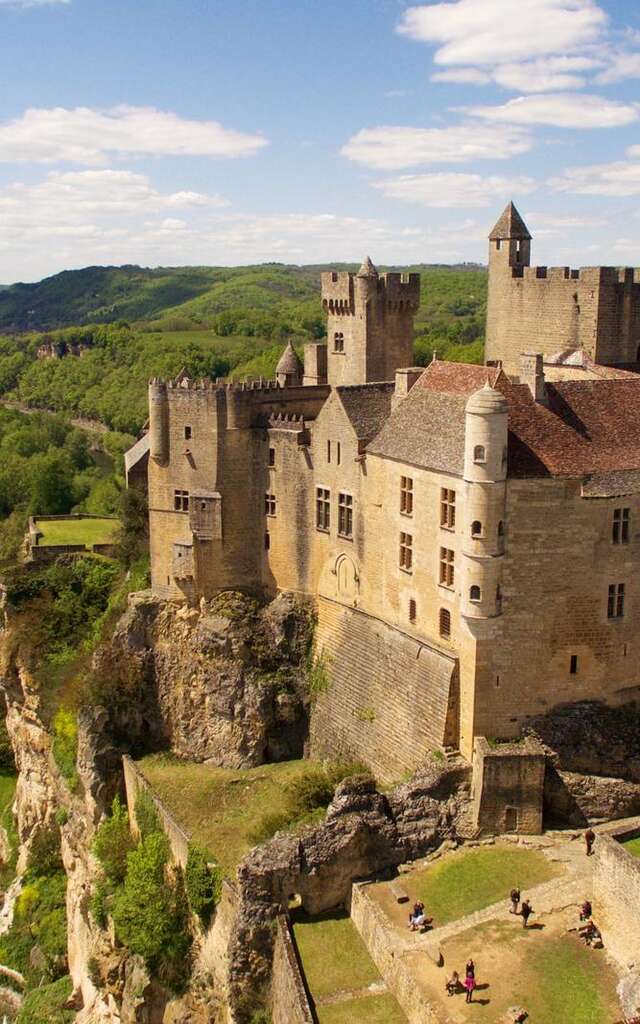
(501, 529)
(479, 453)
(445, 623)
(474, 593)
(338, 342)
(476, 528)
(412, 610)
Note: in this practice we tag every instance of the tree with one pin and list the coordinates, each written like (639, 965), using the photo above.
(114, 843)
(51, 478)
(142, 910)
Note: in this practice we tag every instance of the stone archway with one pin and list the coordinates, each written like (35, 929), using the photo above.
(348, 581)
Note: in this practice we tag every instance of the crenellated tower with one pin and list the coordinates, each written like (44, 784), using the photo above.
(485, 474)
(369, 323)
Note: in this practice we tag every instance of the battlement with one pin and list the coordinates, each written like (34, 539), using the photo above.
(587, 275)
(395, 291)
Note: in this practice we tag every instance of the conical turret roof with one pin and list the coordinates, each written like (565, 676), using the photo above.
(367, 269)
(510, 225)
(487, 401)
(289, 361)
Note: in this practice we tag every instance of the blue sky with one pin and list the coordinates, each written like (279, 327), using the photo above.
(202, 132)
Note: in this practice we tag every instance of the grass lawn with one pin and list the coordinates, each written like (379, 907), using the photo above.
(7, 793)
(466, 881)
(381, 1009)
(76, 531)
(633, 846)
(220, 807)
(567, 985)
(333, 954)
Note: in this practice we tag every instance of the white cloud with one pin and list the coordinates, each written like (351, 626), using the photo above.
(89, 137)
(622, 65)
(391, 148)
(497, 31)
(620, 178)
(462, 76)
(562, 110)
(453, 190)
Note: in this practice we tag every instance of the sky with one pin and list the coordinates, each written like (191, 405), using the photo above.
(203, 132)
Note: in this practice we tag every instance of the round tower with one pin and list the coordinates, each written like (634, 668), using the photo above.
(485, 474)
(289, 371)
(158, 421)
(366, 281)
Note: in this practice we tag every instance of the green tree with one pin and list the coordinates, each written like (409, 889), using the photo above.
(113, 843)
(142, 909)
(203, 883)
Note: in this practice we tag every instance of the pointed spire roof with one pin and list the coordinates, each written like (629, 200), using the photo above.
(367, 269)
(510, 225)
(289, 361)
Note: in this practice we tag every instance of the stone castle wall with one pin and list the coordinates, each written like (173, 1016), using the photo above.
(389, 699)
(616, 889)
(290, 1002)
(135, 783)
(508, 784)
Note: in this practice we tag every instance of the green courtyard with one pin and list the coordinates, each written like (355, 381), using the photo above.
(76, 531)
(632, 846)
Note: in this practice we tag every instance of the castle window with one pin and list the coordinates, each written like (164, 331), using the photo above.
(338, 452)
(272, 456)
(406, 495)
(267, 541)
(499, 596)
(620, 533)
(476, 528)
(328, 451)
(498, 244)
(406, 552)
(479, 454)
(181, 501)
(474, 593)
(323, 509)
(573, 664)
(446, 567)
(615, 604)
(338, 342)
(412, 610)
(501, 529)
(270, 504)
(188, 433)
(447, 508)
(345, 515)
(445, 623)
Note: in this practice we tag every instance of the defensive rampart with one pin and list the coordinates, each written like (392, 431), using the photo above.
(616, 898)
(290, 1002)
(135, 783)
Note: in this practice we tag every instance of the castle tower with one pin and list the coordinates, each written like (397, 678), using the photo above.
(289, 370)
(158, 421)
(509, 252)
(485, 474)
(369, 323)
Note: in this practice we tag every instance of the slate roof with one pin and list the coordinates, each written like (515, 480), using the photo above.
(589, 427)
(289, 361)
(367, 406)
(509, 225)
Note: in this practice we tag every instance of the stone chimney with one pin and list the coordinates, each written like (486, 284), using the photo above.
(532, 374)
(405, 379)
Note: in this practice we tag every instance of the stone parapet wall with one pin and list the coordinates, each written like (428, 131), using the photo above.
(616, 898)
(135, 782)
(386, 950)
(290, 1003)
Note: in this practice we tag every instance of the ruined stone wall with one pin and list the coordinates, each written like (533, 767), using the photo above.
(549, 309)
(388, 697)
(135, 783)
(559, 563)
(289, 1000)
(508, 786)
(616, 897)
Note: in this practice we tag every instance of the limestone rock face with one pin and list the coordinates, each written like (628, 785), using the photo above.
(223, 684)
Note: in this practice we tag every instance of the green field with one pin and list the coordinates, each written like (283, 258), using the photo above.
(567, 983)
(220, 807)
(76, 531)
(632, 846)
(7, 794)
(335, 960)
(470, 880)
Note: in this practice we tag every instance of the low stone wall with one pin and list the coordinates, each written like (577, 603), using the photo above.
(508, 787)
(213, 957)
(134, 782)
(387, 952)
(616, 898)
(290, 1002)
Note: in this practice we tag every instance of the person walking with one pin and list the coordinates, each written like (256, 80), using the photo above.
(514, 896)
(589, 838)
(470, 984)
(586, 910)
(526, 910)
(470, 969)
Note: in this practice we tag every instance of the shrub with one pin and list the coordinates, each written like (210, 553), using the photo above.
(203, 883)
(99, 903)
(146, 814)
(65, 745)
(7, 760)
(268, 825)
(142, 909)
(44, 854)
(45, 1004)
(113, 843)
(62, 816)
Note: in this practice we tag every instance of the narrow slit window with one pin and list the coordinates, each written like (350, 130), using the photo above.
(338, 452)
(328, 451)
(272, 456)
(188, 433)
(445, 623)
(412, 610)
(573, 664)
(338, 342)
(270, 504)
(267, 541)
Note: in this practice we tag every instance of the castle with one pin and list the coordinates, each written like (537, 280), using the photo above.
(467, 534)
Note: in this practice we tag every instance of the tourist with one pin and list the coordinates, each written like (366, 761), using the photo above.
(469, 984)
(585, 911)
(417, 916)
(452, 984)
(470, 969)
(526, 910)
(515, 899)
(589, 838)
